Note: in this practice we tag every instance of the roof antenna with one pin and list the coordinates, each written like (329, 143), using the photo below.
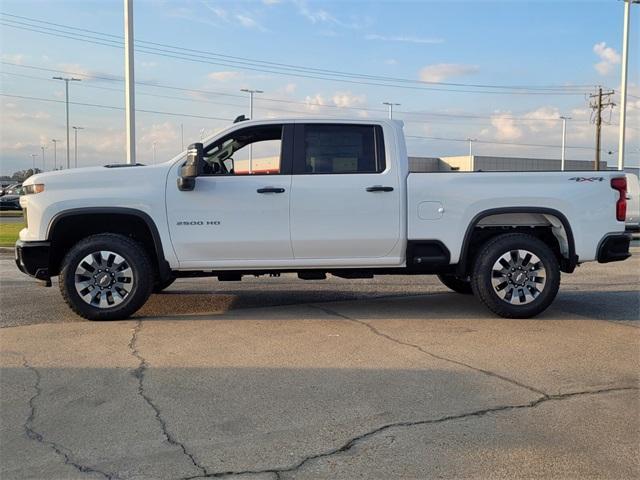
(240, 118)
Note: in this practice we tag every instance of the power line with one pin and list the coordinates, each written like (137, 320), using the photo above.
(313, 75)
(267, 99)
(250, 61)
(112, 107)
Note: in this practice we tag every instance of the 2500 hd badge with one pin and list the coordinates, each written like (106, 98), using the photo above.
(198, 223)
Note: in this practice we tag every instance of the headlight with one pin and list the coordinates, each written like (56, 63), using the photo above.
(34, 188)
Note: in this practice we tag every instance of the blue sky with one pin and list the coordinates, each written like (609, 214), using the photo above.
(568, 46)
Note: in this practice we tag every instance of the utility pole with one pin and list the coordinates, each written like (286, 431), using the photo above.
(623, 81)
(471, 159)
(564, 139)
(75, 143)
(129, 83)
(391, 105)
(250, 92)
(597, 104)
(66, 88)
(154, 153)
(44, 167)
(55, 153)
(33, 158)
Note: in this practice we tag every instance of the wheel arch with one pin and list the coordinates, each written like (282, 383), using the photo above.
(69, 226)
(521, 217)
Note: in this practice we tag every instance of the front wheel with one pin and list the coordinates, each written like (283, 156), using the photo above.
(516, 275)
(106, 277)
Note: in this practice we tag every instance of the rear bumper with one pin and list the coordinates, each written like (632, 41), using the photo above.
(614, 248)
(32, 258)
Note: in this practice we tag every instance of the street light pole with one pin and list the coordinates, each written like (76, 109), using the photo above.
(33, 158)
(66, 88)
(471, 159)
(623, 81)
(43, 165)
(75, 143)
(55, 153)
(154, 152)
(564, 138)
(250, 92)
(391, 105)
(129, 82)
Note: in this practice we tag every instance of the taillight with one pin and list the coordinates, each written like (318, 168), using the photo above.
(620, 184)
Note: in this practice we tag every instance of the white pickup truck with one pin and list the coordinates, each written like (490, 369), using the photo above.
(314, 197)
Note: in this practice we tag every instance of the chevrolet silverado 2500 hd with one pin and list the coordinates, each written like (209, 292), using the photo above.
(315, 197)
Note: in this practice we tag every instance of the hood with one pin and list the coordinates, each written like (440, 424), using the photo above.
(117, 175)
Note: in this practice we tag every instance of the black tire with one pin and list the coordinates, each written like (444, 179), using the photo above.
(137, 264)
(160, 285)
(538, 286)
(456, 283)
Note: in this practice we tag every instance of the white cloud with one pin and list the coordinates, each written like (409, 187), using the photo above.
(543, 118)
(13, 58)
(441, 71)
(219, 13)
(403, 38)
(347, 99)
(321, 16)
(505, 127)
(290, 88)
(247, 21)
(271, 2)
(608, 58)
(313, 103)
(223, 76)
(391, 61)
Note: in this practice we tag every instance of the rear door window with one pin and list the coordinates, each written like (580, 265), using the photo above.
(339, 149)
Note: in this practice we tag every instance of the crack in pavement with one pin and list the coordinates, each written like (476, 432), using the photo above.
(33, 434)
(139, 373)
(433, 355)
(355, 440)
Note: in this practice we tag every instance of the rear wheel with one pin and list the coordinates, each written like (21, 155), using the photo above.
(455, 283)
(516, 276)
(106, 277)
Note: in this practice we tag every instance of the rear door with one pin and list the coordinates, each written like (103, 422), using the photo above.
(345, 194)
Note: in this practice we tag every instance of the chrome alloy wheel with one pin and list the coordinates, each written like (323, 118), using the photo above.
(518, 277)
(103, 279)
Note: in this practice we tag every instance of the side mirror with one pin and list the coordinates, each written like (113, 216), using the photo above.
(192, 168)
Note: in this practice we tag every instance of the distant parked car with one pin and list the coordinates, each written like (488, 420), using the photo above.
(6, 187)
(633, 203)
(11, 199)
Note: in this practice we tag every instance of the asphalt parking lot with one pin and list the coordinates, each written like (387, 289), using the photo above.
(280, 378)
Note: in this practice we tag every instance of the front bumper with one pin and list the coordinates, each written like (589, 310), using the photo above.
(32, 258)
(614, 248)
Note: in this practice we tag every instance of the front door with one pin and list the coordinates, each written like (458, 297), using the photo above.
(345, 197)
(238, 213)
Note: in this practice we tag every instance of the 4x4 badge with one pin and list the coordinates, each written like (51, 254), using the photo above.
(586, 179)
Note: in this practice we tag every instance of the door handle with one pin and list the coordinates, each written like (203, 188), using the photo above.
(270, 190)
(379, 188)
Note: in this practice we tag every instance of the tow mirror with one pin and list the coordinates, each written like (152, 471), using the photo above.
(192, 168)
